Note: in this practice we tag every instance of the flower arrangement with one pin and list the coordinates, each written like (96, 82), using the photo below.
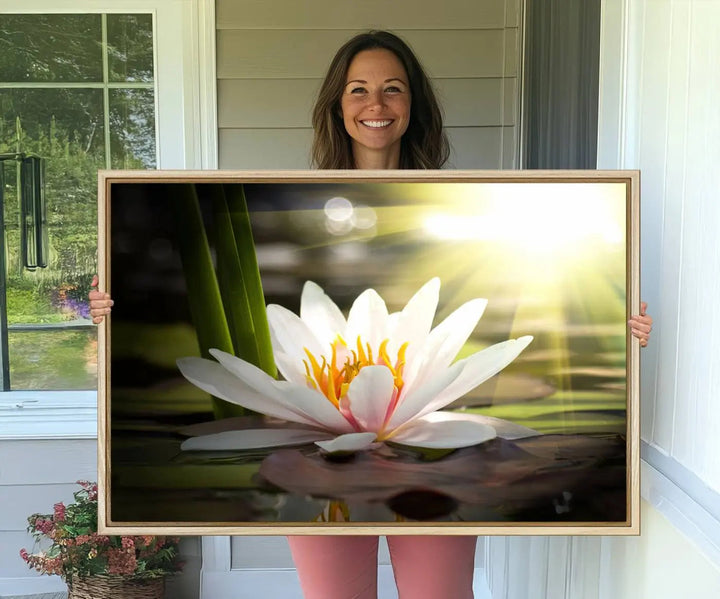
(78, 551)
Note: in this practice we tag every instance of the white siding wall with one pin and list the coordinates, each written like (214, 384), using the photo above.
(34, 475)
(272, 56)
(675, 140)
(659, 89)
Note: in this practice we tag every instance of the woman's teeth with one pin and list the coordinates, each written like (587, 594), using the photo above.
(376, 124)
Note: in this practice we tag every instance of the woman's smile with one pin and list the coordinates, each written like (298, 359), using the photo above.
(377, 124)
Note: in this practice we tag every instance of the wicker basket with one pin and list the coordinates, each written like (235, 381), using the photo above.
(115, 587)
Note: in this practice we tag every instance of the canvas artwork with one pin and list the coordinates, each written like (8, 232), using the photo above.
(346, 353)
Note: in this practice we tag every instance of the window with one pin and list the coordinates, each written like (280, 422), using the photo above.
(185, 122)
(78, 91)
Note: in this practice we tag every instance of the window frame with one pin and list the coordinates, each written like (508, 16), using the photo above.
(186, 138)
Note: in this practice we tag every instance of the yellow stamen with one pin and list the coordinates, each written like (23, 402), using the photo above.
(333, 381)
(361, 351)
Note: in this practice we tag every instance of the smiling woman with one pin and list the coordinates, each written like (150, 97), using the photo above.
(377, 99)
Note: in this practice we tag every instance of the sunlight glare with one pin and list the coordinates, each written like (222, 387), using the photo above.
(552, 218)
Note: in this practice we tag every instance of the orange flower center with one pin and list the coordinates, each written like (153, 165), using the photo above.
(332, 378)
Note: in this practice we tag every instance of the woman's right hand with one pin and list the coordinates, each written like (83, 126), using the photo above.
(100, 302)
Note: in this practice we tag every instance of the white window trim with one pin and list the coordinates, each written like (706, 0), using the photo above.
(186, 126)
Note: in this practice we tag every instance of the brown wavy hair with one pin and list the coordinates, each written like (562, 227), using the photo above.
(424, 144)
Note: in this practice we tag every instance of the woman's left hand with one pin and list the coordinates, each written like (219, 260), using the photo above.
(641, 325)
(100, 302)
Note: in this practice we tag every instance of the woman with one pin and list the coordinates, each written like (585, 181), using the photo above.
(376, 110)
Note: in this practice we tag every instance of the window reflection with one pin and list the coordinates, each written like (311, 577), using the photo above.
(58, 101)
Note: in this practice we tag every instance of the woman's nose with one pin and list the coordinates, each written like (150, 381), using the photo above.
(376, 99)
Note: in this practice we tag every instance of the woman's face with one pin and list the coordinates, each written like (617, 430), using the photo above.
(376, 103)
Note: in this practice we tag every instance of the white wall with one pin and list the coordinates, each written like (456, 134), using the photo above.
(672, 133)
(34, 475)
(659, 90)
(659, 113)
(661, 563)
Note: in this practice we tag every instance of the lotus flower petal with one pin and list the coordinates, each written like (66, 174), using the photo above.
(412, 325)
(369, 396)
(367, 319)
(290, 334)
(415, 401)
(503, 428)
(214, 379)
(445, 341)
(478, 368)
(349, 442)
(445, 434)
(291, 368)
(308, 402)
(321, 313)
(253, 439)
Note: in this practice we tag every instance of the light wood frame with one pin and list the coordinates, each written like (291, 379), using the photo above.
(631, 526)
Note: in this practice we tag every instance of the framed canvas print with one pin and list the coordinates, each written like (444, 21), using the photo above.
(383, 352)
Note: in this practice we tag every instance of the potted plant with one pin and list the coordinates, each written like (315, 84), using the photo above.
(96, 566)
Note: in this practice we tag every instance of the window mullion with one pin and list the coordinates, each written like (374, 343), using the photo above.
(106, 91)
(88, 85)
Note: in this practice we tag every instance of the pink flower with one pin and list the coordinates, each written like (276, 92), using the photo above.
(121, 561)
(91, 488)
(59, 509)
(128, 543)
(54, 565)
(24, 555)
(43, 525)
(144, 540)
(100, 539)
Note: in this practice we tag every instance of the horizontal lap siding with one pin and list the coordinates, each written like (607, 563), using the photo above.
(379, 14)
(19, 501)
(271, 60)
(34, 475)
(251, 54)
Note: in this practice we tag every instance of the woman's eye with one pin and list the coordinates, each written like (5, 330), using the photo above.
(358, 90)
(393, 90)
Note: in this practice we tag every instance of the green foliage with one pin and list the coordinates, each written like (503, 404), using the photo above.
(71, 182)
(53, 359)
(29, 305)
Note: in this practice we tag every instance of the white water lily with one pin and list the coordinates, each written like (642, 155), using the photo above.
(351, 383)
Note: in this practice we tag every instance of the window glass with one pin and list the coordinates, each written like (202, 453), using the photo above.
(132, 128)
(130, 47)
(35, 48)
(104, 119)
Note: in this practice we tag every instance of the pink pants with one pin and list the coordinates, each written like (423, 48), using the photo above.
(425, 567)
